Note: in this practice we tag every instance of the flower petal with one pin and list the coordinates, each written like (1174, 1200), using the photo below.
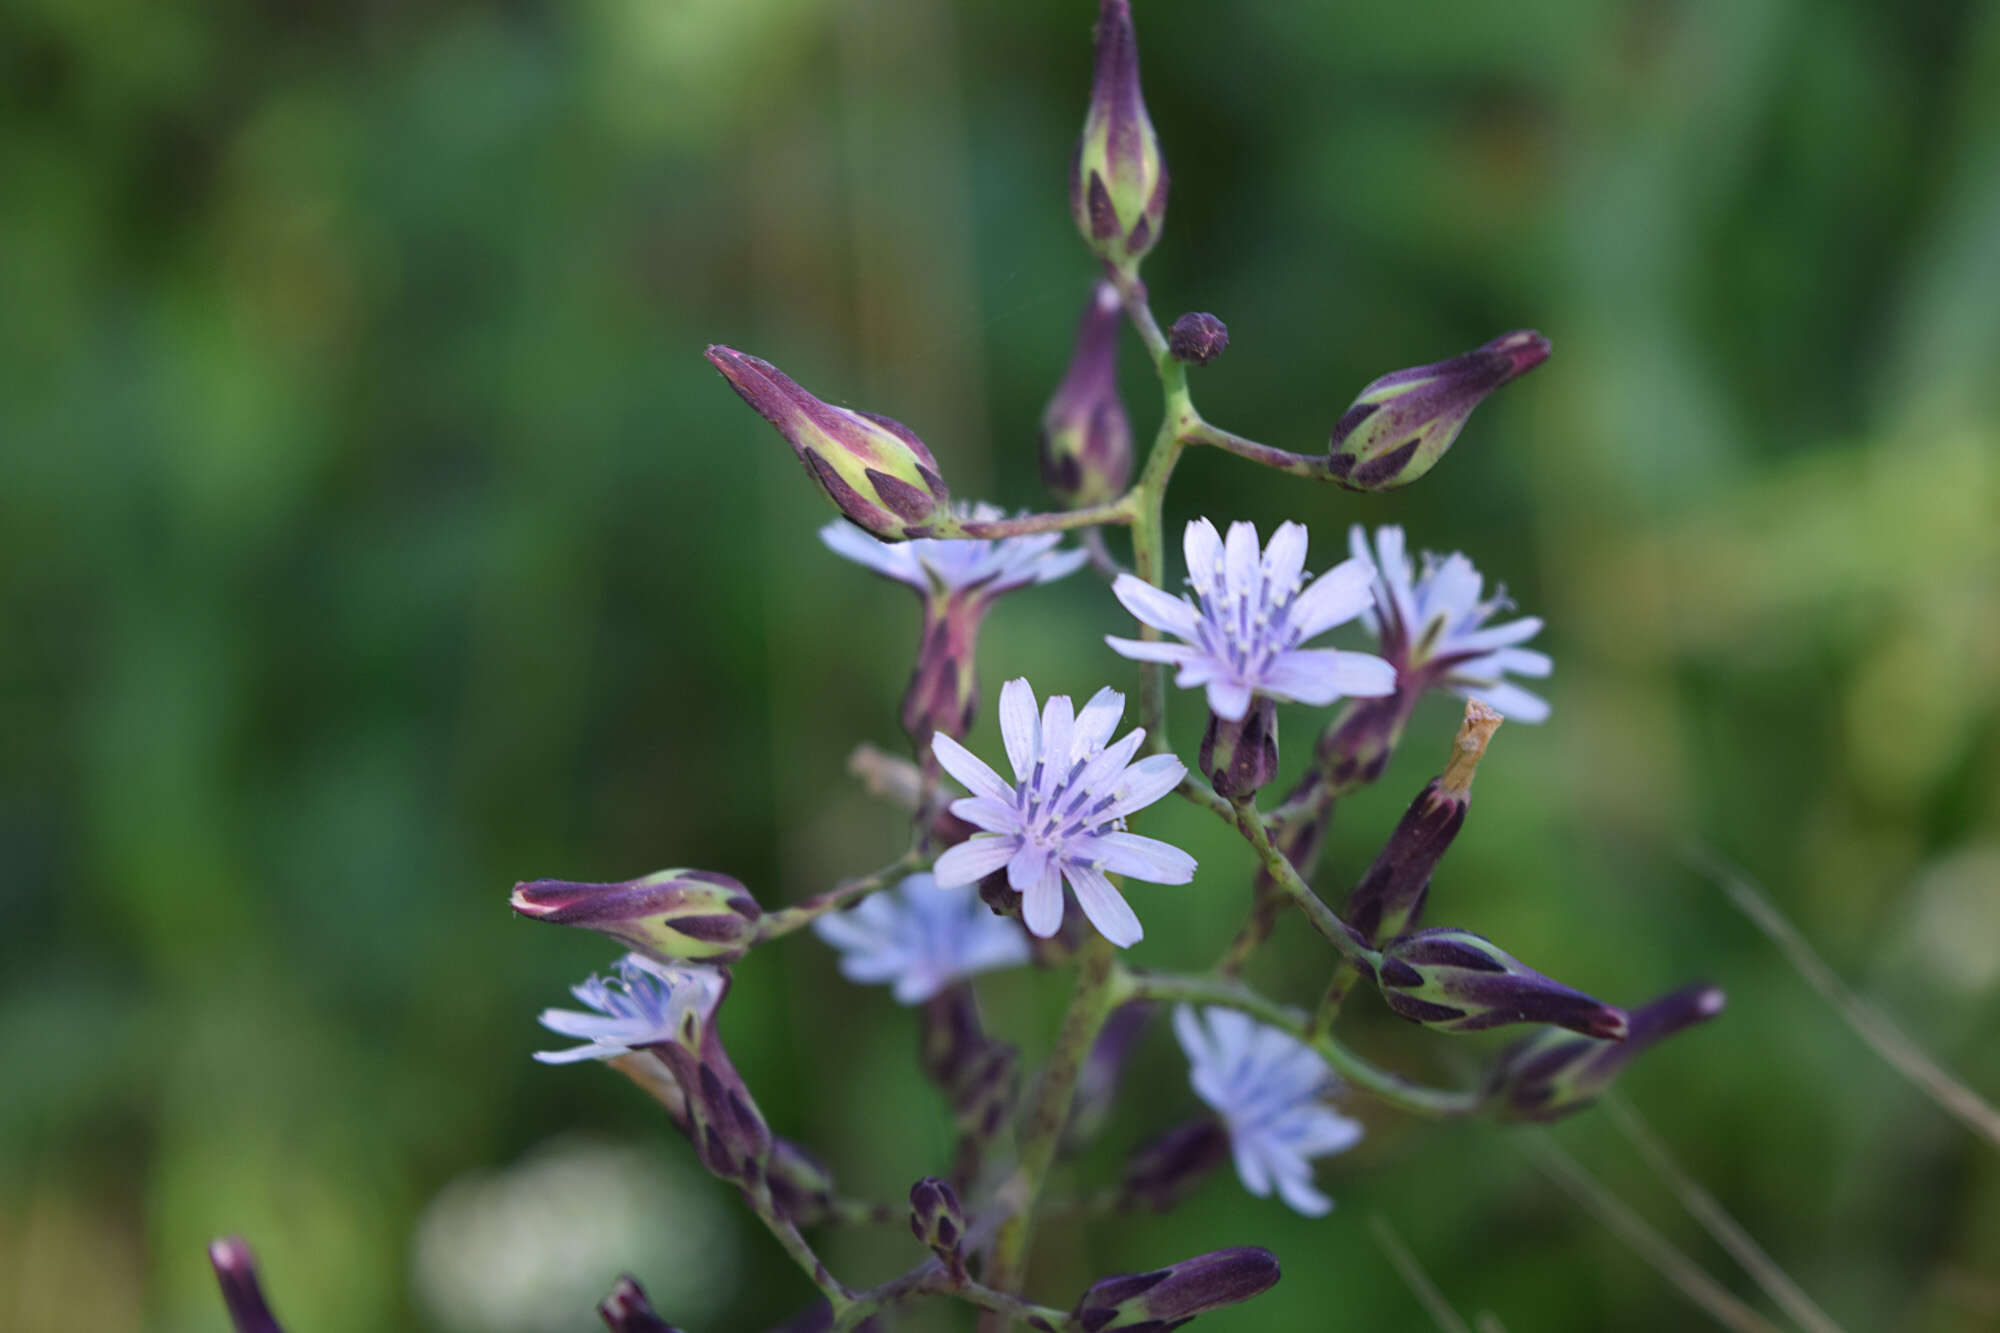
(1512, 702)
(974, 859)
(1144, 783)
(1104, 905)
(892, 562)
(1152, 606)
(1202, 548)
(1228, 698)
(986, 813)
(1150, 650)
(1019, 727)
(1096, 722)
(970, 770)
(1143, 858)
(1042, 903)
(1334, 598)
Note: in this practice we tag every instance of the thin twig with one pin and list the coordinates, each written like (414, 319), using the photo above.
(1728, 1233)
(1636, 1232)
(1884, 1037)
(1415, 1278)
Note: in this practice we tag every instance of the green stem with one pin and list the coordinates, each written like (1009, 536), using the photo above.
(1437, 1103)
(931, 1279)
(1097, 993)
(1337, 932)
(779, 1225)
(788, 919)
(1310, 466)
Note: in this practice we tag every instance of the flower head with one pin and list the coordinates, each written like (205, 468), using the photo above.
(1270, 1090)
(921, 938)
(941, 566)
(647, 1003)
(1255, 610)
(1433, 627)
(1063, 817)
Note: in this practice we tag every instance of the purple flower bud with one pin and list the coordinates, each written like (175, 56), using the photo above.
(236, 1270)
(938, 1222)
(1457, 981)
(1389, 900)
(1197, 339)
(1086, 436)
(1402, 424)
(1168, 1297)
(671, 915)
(1166, 1170)
(1354, 750)
(626, 1310)
(875, 470)
(943, 694)
(1118, 181)
(1241, 757)
(1551, 1074)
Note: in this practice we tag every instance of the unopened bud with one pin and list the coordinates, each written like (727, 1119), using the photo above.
(626, 1310)
(1166, 1170)
(1086, 445)
(1551, 1074)
(1197, 339)
(673, 915)
(943, 693)
(1354, 750)
(1457, 981)
(874, 469)
(236, 1270)
(1168, 1297)
(937, 1222)
(1389, 900)
(1241, 757)
(1402, 423)
(1118, 181)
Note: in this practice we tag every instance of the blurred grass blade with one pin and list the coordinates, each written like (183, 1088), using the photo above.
(1636, 1232)
(1728, 1233)
(1884, 1037)
(1487, 1322)
(1415, 1278)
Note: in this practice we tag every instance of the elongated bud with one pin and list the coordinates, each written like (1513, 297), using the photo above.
(1389, 900)
(236, 1270)
(1086, 446)
(1457, 981)
(801, 1184)
(1242, 756)
(943, 693)
(1549, 1075)
(1197, 339)
(1168, 1297)
(937, 1221)
(1118, 181)
(1402, 423)
(626, 1310)
(672, 915)
(875, 470)
(1167, 1169)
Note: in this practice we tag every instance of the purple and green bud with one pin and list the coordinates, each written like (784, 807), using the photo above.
(1118, 180)
(1197, 339)
(1169, 1297)
(938, 1223)
(1165, 1170)
(672, 915)
(1456, 981)
(876, 471)
(1552, 1074)
(1240, 758)
(1389, 900)
(626, 1310)
(1402, 424)
(1086, 444)
(236, 1271)
(943, 693)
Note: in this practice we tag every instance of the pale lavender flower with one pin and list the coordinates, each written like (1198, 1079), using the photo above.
(1270, 1090)
(645, 1004)
(1432, 626)
(950, 565)
(1063, 817)
(920, 938)
(1244, 637)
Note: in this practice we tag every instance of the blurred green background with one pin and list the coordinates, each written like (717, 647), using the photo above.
(373, 535)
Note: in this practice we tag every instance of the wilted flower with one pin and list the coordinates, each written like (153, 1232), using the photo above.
(920, 938)
(692, 914)
(874, 469)
(1166, 1298)
(1270, 1090)
(1086, 445)
(1402, 423)
(1118, 180)
(1255, 610)
(1433, 627)
(1063, 818)
(1456, 981)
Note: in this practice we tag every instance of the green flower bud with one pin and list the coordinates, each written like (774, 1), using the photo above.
(1169, 1297)
(1549, 1075)
(1401, 424)
(672, 914)
(1118, 181)
(1456, 981)
(875, 470)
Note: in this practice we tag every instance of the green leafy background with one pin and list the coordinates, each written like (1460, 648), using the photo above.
(373, 535)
